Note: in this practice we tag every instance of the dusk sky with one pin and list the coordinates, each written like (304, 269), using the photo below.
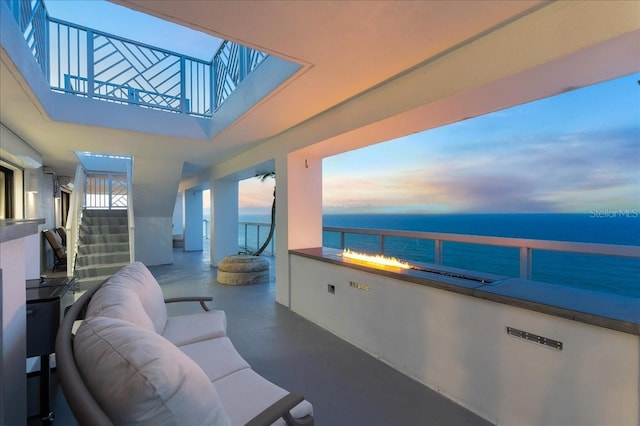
(572, 153)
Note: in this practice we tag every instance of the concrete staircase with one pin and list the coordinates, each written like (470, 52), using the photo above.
(103, 246)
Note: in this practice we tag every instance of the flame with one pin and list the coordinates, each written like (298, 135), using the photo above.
(376, 259)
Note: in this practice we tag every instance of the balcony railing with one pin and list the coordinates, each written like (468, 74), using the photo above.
(604, 267)
(90, 63)
(106, 191)
(253, 234)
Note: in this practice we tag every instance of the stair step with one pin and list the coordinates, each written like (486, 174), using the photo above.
(98, 270)
(104, 213)
(103, 229)
(104, 239)
(102, 258)
(104, 220)
(103, 248)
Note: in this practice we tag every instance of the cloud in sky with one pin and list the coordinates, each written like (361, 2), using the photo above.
(255, 196)
(571, 153)
(562, 173)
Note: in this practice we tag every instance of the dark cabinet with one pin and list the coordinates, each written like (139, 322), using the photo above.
(43, 319)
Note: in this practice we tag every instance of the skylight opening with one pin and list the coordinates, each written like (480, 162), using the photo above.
(108, 17)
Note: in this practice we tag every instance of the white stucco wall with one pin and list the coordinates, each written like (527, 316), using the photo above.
(458, 345)
(224, 219)
(13, 398)
(193, 232)
(154, 243)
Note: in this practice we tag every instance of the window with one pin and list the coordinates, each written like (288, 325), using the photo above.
(6, 193)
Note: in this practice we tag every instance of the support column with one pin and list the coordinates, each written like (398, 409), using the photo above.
(193, 234)
(224, 219)
(298, 213)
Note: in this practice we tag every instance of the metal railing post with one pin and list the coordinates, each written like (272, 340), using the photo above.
(437, 252)
(90, 65)
(47, 48)
(16, 10)
(213, 86)
(525, 263)
(110, 190)
(85, 190)
(183, 87)
(131, 95)
(206, 234)
(243, 64)
(257, 236)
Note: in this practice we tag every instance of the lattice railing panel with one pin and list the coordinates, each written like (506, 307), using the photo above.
(119, 192)
(90, 63)
(106, 191)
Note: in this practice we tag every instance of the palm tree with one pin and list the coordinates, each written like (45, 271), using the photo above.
(263, 177)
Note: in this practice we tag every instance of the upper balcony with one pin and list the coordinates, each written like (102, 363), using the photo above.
(88, 63)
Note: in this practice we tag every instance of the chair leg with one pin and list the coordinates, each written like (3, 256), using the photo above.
(56, 264)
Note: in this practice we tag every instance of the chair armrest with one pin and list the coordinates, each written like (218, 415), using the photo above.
(200, 299)
(280, 409)
(85, 409)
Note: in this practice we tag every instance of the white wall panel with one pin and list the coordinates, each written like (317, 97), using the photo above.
(458, 345)
(154, 242)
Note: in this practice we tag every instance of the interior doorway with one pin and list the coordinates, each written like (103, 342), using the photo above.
(7, 195)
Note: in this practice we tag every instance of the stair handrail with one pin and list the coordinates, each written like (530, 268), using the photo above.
(74, 219)
(130, 215)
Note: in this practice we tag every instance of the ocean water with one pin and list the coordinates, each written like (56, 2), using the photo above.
(601, 273)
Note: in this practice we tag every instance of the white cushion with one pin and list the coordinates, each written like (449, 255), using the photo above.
(140, 378)
(120, 303)
(245, 394)
(217, 357)
(137, 277)
(185, 329)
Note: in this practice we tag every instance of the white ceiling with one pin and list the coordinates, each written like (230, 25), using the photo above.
(348, 47)
(350, 51)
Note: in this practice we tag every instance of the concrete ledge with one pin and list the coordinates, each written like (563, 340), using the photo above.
(612, 311)
(12, 229)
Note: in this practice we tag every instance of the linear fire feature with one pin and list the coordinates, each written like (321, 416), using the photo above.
(378, 260)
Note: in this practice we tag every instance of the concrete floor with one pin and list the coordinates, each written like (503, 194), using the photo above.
(345, 385)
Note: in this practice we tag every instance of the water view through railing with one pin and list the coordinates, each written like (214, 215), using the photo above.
(251, 236)
(602, 267)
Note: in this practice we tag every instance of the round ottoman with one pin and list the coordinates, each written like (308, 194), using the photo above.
(242, 269)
